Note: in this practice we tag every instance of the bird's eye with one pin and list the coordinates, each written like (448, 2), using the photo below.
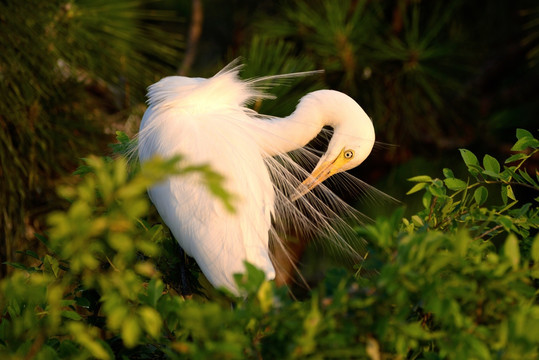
(348, 154)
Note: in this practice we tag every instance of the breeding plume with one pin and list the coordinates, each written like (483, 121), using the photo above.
(208, 121)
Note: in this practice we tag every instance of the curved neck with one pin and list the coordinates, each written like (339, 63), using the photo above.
(281, 135)
(314, 111)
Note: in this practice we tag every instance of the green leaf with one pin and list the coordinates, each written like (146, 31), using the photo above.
(523, 133)
(480, 349)
(480, 195)
(426, 199)
(527, 177)
(512, 251)
(510, 193)
(448, 173)
(503, 192)
(516, 157)
(122, 137)
(51, 265)
(455, 184)
(116, 315)
(417, 221)
(414, 330)
(84, 169)
(437, 191)
(474, 170)
(449, 207)
(491, 174)
(130, 331)
(416, 188)
(155, 291)
(151, 320)
(438, 183)
(535, 249)
(87, 337)
(30, 253)
(517, 213)
(251, 279)
(491, 164)
(82, 302)
(420, 178)
(462, 243)
(524, 143)
(265, 296)
(70, 314)
(469, 158)
(507, 174)
(506, 222)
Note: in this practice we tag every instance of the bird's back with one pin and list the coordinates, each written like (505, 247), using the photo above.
(191, 118)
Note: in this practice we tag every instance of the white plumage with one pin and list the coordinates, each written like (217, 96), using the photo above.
(207, 121)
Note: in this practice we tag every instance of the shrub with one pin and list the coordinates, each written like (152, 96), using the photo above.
(457, 280)
(60, 86)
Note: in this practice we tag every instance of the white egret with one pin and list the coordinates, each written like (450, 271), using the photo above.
(207, 121)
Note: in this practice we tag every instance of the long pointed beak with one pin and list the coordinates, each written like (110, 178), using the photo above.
(323, 171)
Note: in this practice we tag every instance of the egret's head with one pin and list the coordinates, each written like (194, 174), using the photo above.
(350, 145)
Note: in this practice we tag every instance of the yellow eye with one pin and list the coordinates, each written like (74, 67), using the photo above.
(348, 154)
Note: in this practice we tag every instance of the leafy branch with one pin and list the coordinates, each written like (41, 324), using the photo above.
(454, 201)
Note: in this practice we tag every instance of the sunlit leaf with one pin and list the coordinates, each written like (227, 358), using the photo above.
(448, 173)
(151, 320)
(455, 184)
(437, 191)
(420, 178)
(417, 221)
(130, 331)
(503, 192)
(491, 164)
(535, 249)
(527, 177)
(524, 143)
(510, 193)
(512, 251)
(515, 157)
(469, 157)
(87, 337)
(491, 174)
(426, 199)
(521, 133)
(416, 188)
(480, 195)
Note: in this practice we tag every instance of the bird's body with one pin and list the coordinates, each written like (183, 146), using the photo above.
(207, 122)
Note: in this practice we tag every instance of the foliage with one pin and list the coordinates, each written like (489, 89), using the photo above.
(457, 280)
(279, 60)
(64, 65)
(406, 70)
(420, 69)
(463, 207)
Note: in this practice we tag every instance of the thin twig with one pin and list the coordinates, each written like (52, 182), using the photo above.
(432, 205)
(195, 29)
(488, 232)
